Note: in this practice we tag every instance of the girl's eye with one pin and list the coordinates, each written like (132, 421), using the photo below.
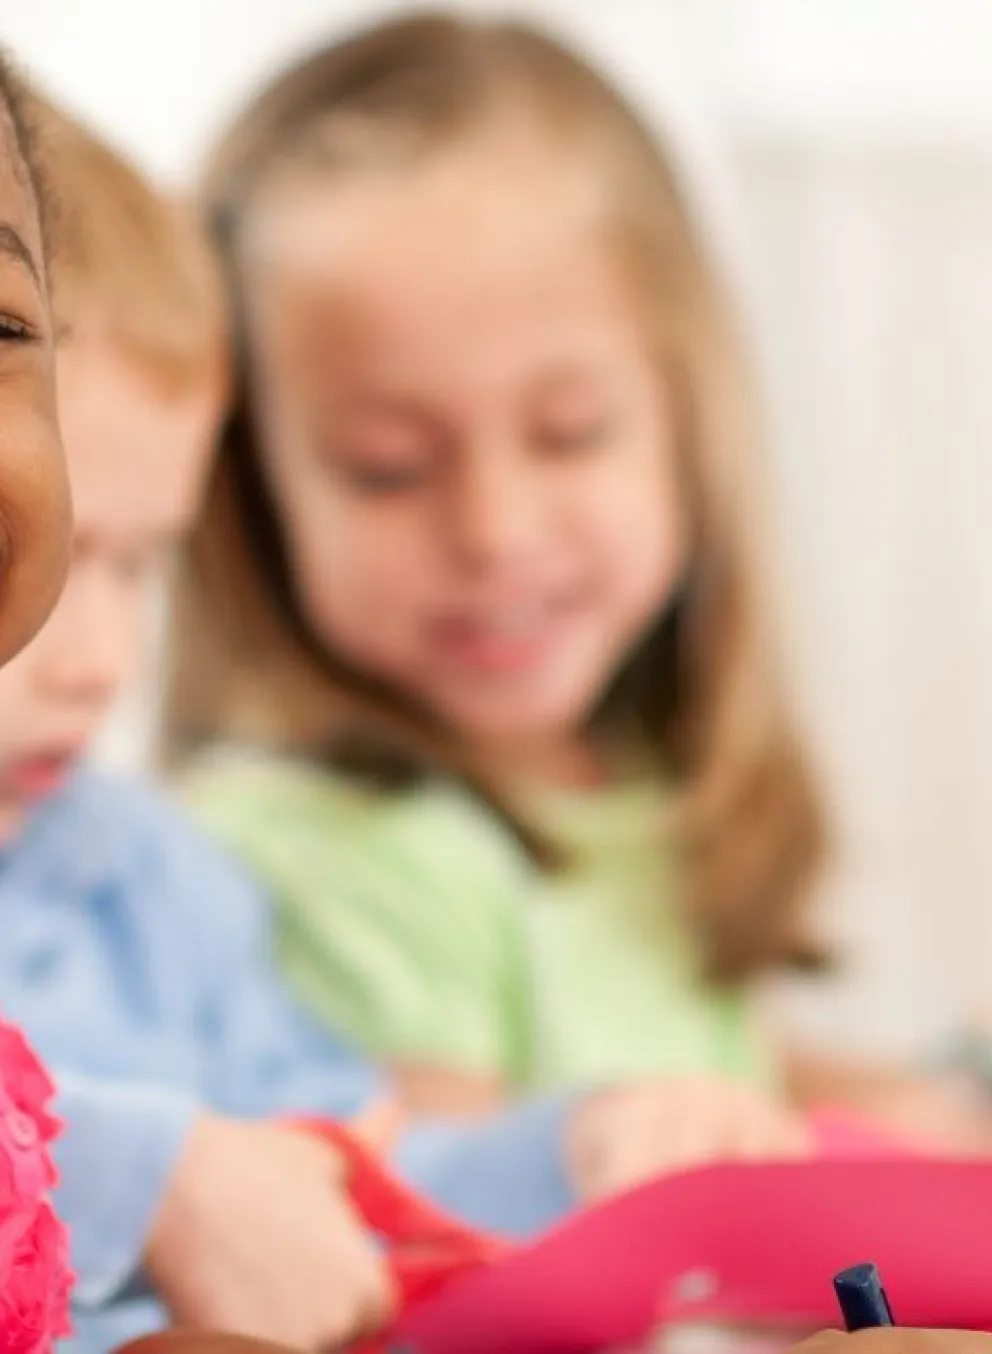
(385, 480)
(15, 331)
(574, 437)
(392, 463)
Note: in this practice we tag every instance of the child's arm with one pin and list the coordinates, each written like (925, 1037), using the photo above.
(238, 1225)
(816, 1078)
(937, 1112)
(120, 1144)
(521, 1170)
(509, 1174)
(169, 1182)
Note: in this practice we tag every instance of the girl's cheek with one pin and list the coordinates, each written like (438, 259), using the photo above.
(35, 522)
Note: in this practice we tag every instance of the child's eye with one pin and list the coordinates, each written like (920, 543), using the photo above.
(574, 437)
(15, 331)
(381, 471)
(381, 481)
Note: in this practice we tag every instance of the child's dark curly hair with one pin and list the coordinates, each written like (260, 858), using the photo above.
(14, 102)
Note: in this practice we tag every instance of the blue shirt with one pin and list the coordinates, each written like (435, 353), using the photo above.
(136, 957)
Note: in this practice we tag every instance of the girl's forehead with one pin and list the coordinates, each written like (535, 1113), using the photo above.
(411, 282)
(459, 343)
(480, 258)
(508, 184)
(429, 249)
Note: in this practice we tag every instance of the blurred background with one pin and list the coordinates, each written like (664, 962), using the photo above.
(841, 152)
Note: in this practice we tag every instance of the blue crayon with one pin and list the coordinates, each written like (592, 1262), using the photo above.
(862, 1298)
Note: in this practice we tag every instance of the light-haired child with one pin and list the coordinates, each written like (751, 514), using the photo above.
(474, 609)
(134, 954)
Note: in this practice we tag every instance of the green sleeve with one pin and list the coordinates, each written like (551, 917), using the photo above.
(398, 918)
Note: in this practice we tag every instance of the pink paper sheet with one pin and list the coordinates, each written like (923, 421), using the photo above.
(743, 1243)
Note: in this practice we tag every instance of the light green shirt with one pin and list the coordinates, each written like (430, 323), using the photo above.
(414, 924)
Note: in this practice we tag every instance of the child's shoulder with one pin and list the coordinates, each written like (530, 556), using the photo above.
(242, 796)
(105, 815)
(130, 816)
(122, 838)
(237, 782)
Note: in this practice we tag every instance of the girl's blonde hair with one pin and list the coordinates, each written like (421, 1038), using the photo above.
(702, 692)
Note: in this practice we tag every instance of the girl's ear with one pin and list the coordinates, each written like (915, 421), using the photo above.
(202, 1342)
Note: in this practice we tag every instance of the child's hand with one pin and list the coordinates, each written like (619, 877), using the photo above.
(200, 1342)
(621, 1137)
(254, 1236)
(897, 1340)
(936, 1115)
(945, 1113)
(379, 1125)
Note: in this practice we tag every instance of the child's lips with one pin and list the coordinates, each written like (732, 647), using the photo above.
(507, 642)
(35, 777)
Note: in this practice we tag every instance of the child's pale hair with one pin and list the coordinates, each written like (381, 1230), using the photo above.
(703, 692)
(127, 260)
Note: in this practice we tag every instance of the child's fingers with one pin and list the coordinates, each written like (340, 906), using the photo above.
(897, 1340)
(202, 1342)
(379, 1125)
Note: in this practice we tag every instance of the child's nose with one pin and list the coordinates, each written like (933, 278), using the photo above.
(88, 653)
(88, 675)
(495, 518)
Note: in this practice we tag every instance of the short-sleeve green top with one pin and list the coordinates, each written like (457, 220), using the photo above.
(414, 924)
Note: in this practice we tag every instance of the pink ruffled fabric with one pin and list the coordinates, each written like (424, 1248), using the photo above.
(35, 1279)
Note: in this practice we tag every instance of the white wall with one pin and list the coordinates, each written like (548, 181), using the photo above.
(160, 77)
(857, 136)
